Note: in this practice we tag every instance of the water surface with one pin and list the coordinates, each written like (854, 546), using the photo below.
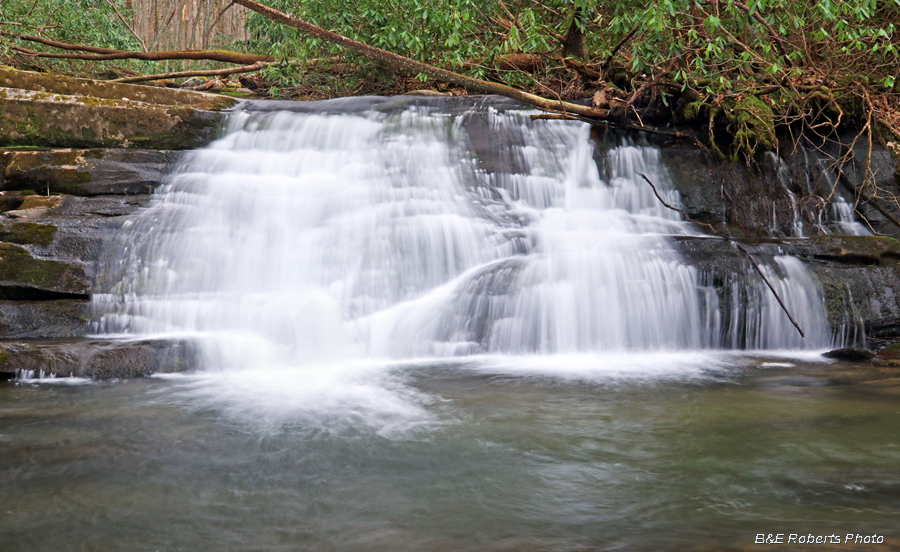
(499, 453)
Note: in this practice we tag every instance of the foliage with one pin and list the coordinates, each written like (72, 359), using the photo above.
(742, 67)
(93, 22)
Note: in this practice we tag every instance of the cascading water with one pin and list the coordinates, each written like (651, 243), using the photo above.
(303, 238)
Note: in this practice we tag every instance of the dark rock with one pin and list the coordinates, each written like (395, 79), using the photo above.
(19, 270)
(99, 359)
(86, 172)
(858, 275)
(850, 353)
(83, 225)
(780, 195)
(60, 318)
(859, 250)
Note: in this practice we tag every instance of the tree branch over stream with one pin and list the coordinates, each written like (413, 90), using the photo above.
(405, 64)
(735, 244)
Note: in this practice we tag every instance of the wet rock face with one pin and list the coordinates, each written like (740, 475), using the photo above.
(788, 194)
(858, 276)
(58, 207)
(96, 358)
(86, 172)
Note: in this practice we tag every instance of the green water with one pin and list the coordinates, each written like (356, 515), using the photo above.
(478, 459)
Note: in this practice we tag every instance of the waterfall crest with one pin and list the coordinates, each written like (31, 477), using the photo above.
(308, 237)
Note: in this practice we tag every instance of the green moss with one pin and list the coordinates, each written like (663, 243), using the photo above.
(752, 124)
(27, 233)
(235, 94)
(18, 267)
(836, 298)
(878, 249)
(41, 202)
(4, 357)
(892, 352)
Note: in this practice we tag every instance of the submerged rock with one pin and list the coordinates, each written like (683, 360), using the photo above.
(850, 353)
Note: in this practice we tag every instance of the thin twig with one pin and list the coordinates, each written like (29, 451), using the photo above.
(127, 25)
(163, 29)
(621, 43)
(734, 243)
(214, 23)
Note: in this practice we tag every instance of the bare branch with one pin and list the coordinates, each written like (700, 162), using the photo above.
(734, 243)
(206, 73)
(621, 43)
(127, 25)
(208, 55)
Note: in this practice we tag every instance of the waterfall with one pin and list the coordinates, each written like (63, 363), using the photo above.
(304, 237)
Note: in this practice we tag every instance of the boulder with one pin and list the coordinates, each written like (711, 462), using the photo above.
(850, 353)
(99, 359)
(32, 118)
(85, 172)
(24, 277)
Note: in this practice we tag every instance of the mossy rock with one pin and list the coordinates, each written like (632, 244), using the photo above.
(27, 233)
(890, 353)
(55, 120)
(12, 200)
(19, 269)
(858, 250)
(86, 172)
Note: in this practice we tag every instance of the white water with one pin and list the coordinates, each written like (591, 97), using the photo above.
(303, 240)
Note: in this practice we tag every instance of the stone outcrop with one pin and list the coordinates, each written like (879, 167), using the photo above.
(60, 205)
(859, 276)
(91, 154)
(97, 359)
(29, 118)
(781, 195)
(71, 86)
(56, 111)
(85, 172)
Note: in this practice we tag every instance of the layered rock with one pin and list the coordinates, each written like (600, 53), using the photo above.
(90, 153)
(58, 111)
(58, 206)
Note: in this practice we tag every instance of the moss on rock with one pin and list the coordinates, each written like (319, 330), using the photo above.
(27, 233)
(56, 120)
(41, 202)
(95, 92)
(19, 268)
